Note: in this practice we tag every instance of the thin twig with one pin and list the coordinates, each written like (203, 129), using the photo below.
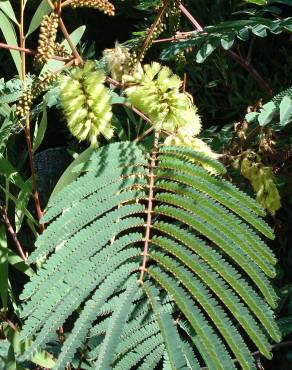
(145, 133)
(236, 57)
(152, 29)
(12, 233)
(35, 194)
(63, 28)
(56, 7)
(65, 66)
(250, 50)
(9, 323)
(177, 37)
(29, 51)
(194, 22)
(136, 110)
(114, 82)
(252, 71)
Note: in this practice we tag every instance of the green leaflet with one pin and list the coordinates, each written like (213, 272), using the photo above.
(167, 328)
(225, 34)
(217, 238)
(94, 247)
(219, 265)
(211, 307)
(115, 327)
(207, 215)
(240, 228)
(209, 344)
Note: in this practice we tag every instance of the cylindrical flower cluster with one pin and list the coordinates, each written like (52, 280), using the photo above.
(263, 181)
(155, 90)
(39, 85)
(104, 6)
(47, 39)
(86, 103)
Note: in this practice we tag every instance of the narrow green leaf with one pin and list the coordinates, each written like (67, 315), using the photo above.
(258, 2)
(3, 267)
(6, 7)
(42, 10)
(168, 330)
(71, 173)
(115, 327)
(8, 31)
(22, 203)
(18, 263)
(75, 36)
(285, 111)
(41, 130)
(10, 173)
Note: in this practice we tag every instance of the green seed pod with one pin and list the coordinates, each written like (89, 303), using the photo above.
(155, 90)
(86, 104)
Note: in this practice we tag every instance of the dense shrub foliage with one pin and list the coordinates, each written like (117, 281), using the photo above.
(145, 184)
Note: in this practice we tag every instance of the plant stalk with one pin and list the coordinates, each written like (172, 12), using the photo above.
(12, 233)
(35, 194)
(152, 29)
(236, 57)
(29, 51)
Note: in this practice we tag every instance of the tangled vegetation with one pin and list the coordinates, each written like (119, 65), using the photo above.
(145, 185)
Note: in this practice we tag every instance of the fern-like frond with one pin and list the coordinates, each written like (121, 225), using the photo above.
(242, 229)
(184, 152)
(210, 306)
(114, 329)
(221, 268)
(219, 226)
(168, 330)
(216, 237)
(139, 243)
(208, 343)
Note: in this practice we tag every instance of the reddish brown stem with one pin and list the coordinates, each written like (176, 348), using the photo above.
(12, 233)
(237, 58)
(252, 71)
(9, 323)
(194, 22)
(115, 82)
(145, 133)
(136, 110)
(77, 56)
(152, 29)
(150, 208)
(57, 7)
(29, 51)
(35, 194)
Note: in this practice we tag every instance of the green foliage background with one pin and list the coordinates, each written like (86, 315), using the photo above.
(221, 89)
